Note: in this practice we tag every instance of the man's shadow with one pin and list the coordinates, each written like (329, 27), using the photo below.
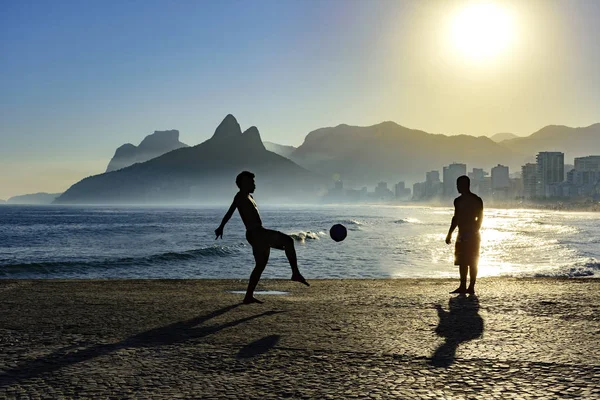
(461, 324)
(170, 334)
(258, 347)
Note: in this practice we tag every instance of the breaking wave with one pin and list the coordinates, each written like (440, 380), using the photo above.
(350, 224)
(581, 270)
(407, 221)
(303, 236)
(155, 259)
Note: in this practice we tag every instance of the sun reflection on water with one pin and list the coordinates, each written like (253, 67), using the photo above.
(513, 242)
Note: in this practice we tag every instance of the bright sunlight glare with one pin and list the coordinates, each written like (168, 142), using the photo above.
(481, 31)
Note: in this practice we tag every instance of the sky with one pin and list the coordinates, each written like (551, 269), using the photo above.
(80, 78)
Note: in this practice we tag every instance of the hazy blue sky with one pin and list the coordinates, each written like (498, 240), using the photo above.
(79, 78)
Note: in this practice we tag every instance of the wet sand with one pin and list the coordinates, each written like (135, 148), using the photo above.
(519, 338)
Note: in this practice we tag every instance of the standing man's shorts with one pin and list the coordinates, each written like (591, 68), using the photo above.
(262, 239)
(466, 251)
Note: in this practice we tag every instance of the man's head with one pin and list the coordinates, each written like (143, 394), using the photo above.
(463, 184)
(245, 181)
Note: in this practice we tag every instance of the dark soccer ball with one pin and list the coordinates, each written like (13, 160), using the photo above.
(338, 232)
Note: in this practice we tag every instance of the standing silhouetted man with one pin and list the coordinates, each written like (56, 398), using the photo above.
(260, 238)
(468, 216)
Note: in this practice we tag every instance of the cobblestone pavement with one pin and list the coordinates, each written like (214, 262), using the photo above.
(519, 338)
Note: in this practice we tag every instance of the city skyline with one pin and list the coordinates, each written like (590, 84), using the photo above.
(546, 179)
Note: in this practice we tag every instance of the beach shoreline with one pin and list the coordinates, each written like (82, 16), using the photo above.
(388, 338)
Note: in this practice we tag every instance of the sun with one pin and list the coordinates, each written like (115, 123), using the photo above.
(481, 31)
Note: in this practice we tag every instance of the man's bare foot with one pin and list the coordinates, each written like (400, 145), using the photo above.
(470, 290)
(460, 290)
(250, 300)
(299, 278)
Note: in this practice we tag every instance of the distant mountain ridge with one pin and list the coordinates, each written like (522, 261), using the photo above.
(500, 137)
(574, 142)
(282, 150)
(153, 145)
(202, 173)
(391, 152)
(34, 198)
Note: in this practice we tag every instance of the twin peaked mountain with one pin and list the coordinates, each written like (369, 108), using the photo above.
(202, 173)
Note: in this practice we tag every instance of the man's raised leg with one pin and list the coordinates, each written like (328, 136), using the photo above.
(261, 257)
(290, 253)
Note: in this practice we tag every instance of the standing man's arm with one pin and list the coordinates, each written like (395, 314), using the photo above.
(480, 216)
(452, 226)
(219, 230)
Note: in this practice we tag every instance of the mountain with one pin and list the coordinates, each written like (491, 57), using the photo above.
(154, 145)
(574, 142)
(388, 151)
(203, 173)
(282, 150)
(35, 198)
(500, 137)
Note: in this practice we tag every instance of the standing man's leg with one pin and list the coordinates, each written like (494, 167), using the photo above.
(472, 277)
(463, 269)
(261, 257)
(473, 265)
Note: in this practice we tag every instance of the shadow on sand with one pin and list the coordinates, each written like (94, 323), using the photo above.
(458, 325)
(258, 347)
(170, 334)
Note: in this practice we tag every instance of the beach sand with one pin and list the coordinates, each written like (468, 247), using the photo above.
(519, 338)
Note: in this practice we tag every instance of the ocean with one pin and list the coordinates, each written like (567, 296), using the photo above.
(91, 242)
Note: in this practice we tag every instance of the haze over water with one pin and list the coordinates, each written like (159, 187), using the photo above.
(382, 242)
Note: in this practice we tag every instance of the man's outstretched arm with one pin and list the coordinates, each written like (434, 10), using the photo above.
(219, 230)
(451, 230)
(453, 226)
(480, 217)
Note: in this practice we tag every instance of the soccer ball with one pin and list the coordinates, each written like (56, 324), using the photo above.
(338, 232)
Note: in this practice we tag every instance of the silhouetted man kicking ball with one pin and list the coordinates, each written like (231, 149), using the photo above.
(468, 216)
(260, 239)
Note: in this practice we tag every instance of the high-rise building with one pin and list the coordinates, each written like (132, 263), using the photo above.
(382, 192)
(585, 173)
(401, 190)
(529, 177)
(551, 171)
(432, 177)
(479, 184)
(451, 174)
(568, 168)
(500, 182)
(589, 163)
(483, 188)
(430, 189)
(500, 177)
(477, 175)
(419, 191)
